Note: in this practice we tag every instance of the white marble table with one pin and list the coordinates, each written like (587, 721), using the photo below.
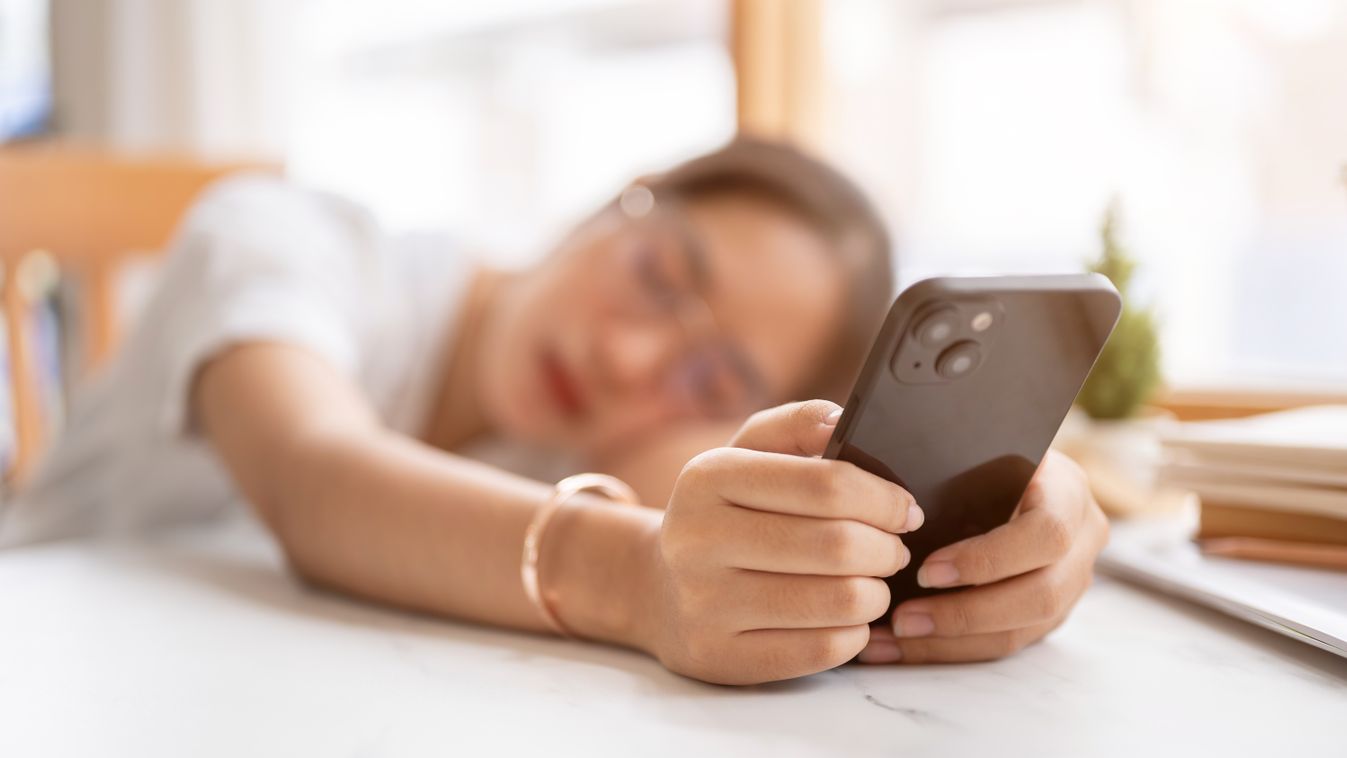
(196, 643)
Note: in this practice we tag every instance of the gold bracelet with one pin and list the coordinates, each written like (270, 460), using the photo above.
(612, 487)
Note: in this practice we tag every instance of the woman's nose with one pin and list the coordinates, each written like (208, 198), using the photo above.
(635, 355)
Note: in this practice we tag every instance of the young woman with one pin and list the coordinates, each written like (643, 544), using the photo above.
(398, 418)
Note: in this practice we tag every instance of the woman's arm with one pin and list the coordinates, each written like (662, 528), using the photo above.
(365, 510)
(764, 568)
(766, 565)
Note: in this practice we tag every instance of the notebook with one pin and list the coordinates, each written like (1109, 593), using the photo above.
(1307, 604)
(1279, 476)
(1307, 445)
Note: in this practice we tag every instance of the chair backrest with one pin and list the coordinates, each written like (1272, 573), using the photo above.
(90, 210)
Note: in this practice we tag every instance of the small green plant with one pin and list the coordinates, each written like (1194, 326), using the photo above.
(1128, 369)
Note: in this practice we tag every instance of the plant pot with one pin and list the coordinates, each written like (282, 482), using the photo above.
(1121, 458)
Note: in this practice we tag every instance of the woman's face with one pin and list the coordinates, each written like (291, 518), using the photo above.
(708, 309)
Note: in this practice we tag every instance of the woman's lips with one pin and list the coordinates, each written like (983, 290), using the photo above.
(562, 386)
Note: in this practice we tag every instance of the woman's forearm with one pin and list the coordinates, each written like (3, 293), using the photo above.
(371, 512)
(390, 519)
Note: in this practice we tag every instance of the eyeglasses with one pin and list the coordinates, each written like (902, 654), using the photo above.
(665, 274)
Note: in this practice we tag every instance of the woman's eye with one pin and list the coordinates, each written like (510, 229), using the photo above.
(653, 276)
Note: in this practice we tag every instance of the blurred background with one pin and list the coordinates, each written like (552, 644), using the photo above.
(992, 133)
(1199, 144)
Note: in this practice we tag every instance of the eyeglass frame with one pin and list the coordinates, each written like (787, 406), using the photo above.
(697, 322)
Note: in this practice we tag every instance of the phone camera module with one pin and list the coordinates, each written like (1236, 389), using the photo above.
(959, 360)
(947, 340)
(938, 327)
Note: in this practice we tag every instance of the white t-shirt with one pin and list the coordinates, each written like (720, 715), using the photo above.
(256, 258)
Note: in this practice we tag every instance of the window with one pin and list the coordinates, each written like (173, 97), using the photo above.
(995, 132)
(504, 121)
(25, 68)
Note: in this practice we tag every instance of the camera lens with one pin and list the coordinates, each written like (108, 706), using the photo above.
(937, 327)
(959, 360)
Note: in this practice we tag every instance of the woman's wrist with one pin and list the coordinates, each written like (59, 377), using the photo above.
(596, 560)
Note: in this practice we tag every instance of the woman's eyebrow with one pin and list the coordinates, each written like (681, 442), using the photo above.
(701, 271)
(694, 249)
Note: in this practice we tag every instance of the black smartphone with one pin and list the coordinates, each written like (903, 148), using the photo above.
(963, 391)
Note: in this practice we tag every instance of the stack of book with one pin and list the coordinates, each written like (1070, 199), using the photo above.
(1272, 487)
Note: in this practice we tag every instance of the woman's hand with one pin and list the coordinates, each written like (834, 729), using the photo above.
(768, 562)
(1022, 578)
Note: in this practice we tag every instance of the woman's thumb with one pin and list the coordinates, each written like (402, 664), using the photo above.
(794, 428)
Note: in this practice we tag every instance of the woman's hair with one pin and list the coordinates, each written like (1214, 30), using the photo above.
(833, 206)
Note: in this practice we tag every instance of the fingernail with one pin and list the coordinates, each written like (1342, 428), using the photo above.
(880, 651)
(912, 624)
(832, 418)
(937, 574)
(906, 557)
(915, 518)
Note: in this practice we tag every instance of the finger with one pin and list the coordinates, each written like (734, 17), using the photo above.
(1048, 523)
(777, 601)
(882, 647)
(1023, 601)
(977, 647)
(775, 654)
(794, 428)
(785, 544)
(808, 487)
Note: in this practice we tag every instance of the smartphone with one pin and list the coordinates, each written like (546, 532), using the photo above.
(963, 392)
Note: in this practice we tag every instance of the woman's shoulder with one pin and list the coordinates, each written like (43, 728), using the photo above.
(271, 215)
(266, 208)
(256, 231)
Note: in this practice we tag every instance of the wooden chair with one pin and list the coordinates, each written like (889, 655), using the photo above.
(92, 211)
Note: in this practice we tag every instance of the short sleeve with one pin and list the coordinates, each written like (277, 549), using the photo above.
(260, 260)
